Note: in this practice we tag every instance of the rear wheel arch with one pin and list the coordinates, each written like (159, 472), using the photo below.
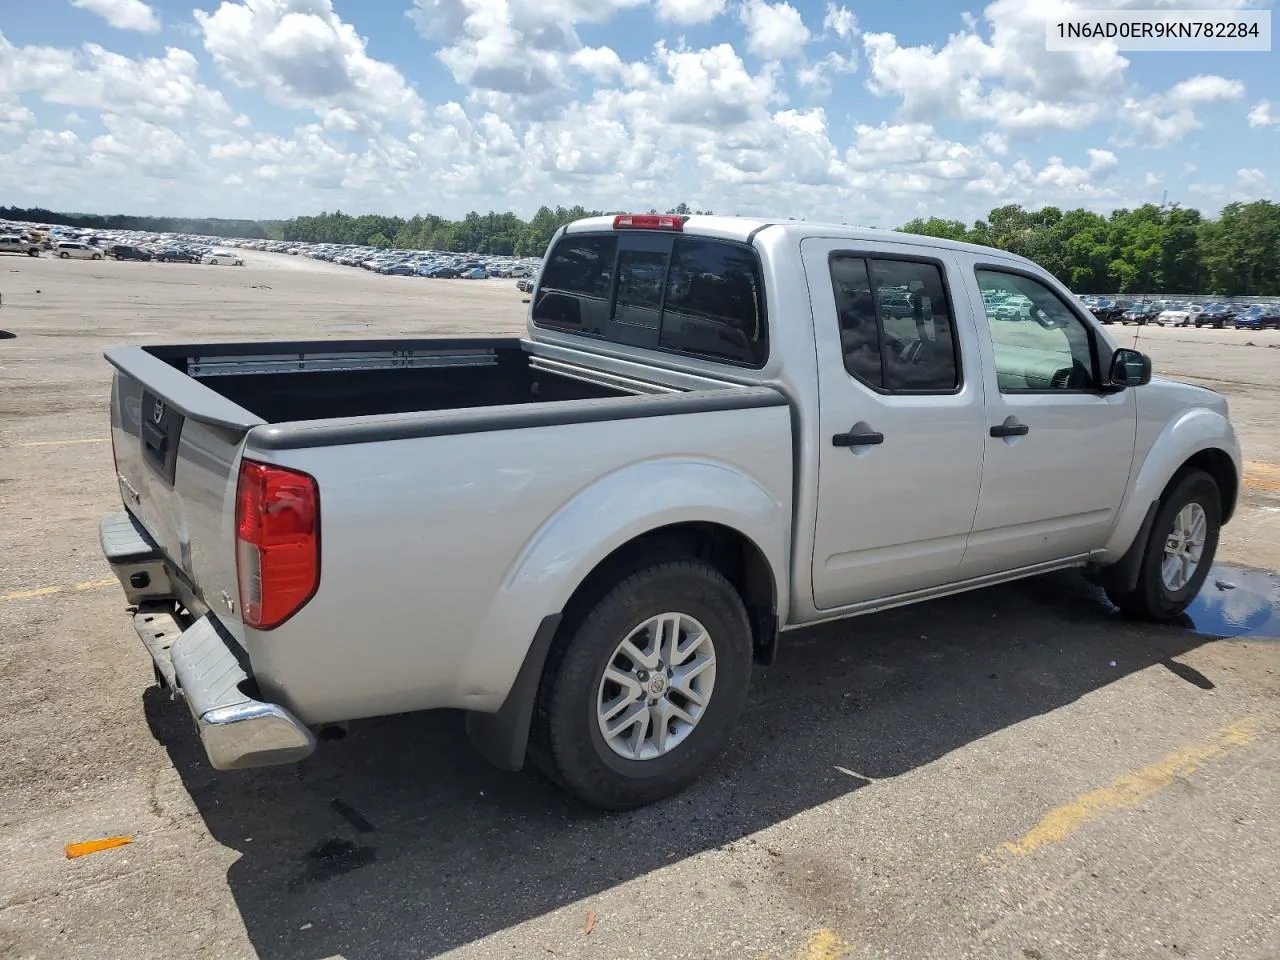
(502, 737)
(729, 551)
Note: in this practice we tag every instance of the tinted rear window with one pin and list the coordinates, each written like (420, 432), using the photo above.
(690, 295)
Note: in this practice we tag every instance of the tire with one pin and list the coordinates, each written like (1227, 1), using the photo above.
(566, 741)
(64, 256)
(1152, 598)
(97, 256)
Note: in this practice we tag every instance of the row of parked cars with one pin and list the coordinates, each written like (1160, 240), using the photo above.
(68, 244)
(1169, 313)
(439, 264)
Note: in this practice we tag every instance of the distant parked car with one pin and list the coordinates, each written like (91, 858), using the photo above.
(177, 255)
(399, 270)
(1175, 315)
(1261, 316)
(1142, 314)
(75, 250)
(1215, 315)
(19, 245)
(222, 257)
(476, 273)
(1108, 310)
(525, 284)
(122, 251)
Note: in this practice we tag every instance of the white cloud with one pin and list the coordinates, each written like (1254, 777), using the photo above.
(840, 21)
(14, 117)
(1260, 115)
(601, 62)
(519, 48)
(1164, 118)
(1004, 78)
(774, 30)
(1250, 176)
(818, 75)
(123, 14)
(690, 11)
(154, 88)
(301, 54)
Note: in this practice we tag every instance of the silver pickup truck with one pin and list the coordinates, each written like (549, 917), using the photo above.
(716, 431)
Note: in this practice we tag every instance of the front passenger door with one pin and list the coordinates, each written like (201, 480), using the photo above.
(1058, 448)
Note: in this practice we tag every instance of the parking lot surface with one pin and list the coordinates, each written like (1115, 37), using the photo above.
(1013, 773)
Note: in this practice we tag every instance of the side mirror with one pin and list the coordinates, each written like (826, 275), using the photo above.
(1129, 368)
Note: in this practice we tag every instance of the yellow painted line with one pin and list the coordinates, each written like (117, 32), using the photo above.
(97, 584)
(824, 945)
(28, 594)
(1131, 789)
(60, 443)
(47, 591)
(1262, 470)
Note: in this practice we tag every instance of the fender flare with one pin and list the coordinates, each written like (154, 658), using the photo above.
(1195, 431)
(520, 626)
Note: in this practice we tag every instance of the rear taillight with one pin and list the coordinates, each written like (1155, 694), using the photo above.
(277, 542)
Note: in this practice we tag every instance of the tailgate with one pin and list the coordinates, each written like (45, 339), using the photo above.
(177, 446)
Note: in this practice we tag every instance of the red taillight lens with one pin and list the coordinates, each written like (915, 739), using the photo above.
(277, 542)
(647, 221)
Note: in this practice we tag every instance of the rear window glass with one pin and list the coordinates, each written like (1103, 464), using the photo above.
(715, 303)
(691, 295)
(576, 283)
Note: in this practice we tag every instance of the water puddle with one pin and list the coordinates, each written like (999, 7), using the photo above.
(1237, 602)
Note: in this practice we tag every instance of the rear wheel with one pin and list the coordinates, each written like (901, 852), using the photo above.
(643, 692)
(1179, 552)
(64, 255)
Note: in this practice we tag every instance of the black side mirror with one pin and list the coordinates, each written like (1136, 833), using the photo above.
(1129, 368)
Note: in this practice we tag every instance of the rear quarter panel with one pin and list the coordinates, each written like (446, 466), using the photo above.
(441, 555)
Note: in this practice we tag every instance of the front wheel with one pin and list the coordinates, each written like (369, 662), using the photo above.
(97, 256)
(64, 256)
(1179, 552)
(643, 692)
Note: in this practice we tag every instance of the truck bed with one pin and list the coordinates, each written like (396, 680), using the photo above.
(320, 381)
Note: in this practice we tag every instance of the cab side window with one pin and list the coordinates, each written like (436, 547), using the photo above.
(1040, 344)
(897, 330)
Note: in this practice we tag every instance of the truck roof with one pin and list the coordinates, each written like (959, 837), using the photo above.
(743, 229)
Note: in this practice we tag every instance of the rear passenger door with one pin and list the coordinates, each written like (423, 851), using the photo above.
(901, 420)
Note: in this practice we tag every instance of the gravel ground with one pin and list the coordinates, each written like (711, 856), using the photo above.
(1014, 773)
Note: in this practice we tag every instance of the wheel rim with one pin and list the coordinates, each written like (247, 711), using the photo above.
(656, 687)
(1184, 547)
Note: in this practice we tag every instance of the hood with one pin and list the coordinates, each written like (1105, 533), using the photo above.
(1172, 396)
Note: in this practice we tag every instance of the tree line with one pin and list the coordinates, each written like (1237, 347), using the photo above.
(1166, 249)
(1150, 249)
(500, 234)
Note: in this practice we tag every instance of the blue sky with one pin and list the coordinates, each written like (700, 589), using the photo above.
(838, 109)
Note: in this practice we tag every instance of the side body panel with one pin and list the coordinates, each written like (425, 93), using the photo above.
(441, 555)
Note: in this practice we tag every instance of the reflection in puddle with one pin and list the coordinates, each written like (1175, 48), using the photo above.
(1237, 602)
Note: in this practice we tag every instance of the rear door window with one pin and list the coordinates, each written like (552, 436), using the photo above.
(577, 284)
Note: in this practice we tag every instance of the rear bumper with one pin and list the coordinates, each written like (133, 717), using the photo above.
(238, 730)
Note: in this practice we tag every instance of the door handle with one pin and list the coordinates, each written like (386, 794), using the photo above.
(851, 439)
(1010, 428)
